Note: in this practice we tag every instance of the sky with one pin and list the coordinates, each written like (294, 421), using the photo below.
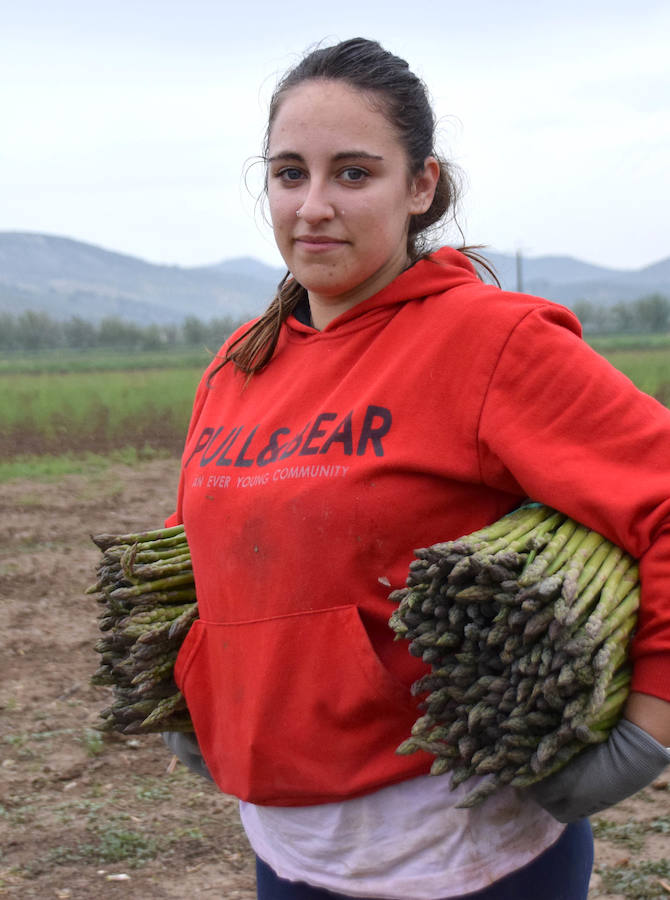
(134, 124)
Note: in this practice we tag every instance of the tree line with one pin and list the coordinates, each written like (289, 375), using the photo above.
(34, 330)
(648, 315)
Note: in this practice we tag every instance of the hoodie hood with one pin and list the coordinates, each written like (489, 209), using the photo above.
(442, 270)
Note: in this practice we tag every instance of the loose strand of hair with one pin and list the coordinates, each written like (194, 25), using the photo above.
(474, 254)
(252, 350)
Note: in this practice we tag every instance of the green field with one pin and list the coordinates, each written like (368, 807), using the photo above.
(45, 362)
(80, 412)
(645, 359)
(71, 404)
(648, 369)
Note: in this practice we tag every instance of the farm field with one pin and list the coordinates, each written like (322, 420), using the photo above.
(95, 411)
(91, 449)
(648, 369)
(76, 809)
(45, 362)
(77, 402)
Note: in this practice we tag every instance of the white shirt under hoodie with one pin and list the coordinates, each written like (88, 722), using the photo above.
(404, 842)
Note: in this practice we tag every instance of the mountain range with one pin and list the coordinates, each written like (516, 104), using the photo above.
(65, 278)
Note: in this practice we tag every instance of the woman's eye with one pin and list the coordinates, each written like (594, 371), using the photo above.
(354, 174)
(289, 174)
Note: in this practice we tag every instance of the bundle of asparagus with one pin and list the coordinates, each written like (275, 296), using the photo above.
(526, 626)
(145, 585)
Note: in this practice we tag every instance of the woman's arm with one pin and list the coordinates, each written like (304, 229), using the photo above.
(571, 431)
(651, 714)
(575, 434)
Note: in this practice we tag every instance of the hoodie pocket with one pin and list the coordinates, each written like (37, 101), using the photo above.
(296, 709)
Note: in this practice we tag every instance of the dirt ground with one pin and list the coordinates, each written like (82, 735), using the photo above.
(83, 818)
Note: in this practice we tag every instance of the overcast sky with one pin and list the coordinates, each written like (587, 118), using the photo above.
(128, 123)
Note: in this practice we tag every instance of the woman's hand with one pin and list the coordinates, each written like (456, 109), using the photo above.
(185, 747)
(631, 758)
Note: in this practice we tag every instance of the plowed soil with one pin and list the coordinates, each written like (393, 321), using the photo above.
(83, 818)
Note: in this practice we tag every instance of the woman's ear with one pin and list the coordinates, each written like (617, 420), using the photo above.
(423, 186)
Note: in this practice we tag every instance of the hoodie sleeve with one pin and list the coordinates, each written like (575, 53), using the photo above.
(568, 429)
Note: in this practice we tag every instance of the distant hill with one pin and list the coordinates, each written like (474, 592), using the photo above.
(568, 280)
(66, 278)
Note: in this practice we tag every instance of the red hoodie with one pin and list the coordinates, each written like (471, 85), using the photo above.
(423, 413)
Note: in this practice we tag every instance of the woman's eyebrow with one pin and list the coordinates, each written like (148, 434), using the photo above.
(356, 154)
(286, 155)
(290, 155)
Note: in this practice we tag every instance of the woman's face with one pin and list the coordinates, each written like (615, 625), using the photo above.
(340, 195)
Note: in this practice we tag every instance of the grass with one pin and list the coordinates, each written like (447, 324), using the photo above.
(95, 411)
(49, 362)
(93, 741)
(99, 833)
(637, 881)
(51, 468)
(648, 369)
(661, 825)
(628, 834)
(611, 342)
(65, 412)
(111, 841)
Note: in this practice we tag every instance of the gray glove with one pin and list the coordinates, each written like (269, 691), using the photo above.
(627, 761)
(185, 747)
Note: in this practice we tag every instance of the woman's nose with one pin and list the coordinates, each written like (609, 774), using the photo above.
(316, 205)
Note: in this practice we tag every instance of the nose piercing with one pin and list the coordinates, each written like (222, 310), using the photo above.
(297, 212)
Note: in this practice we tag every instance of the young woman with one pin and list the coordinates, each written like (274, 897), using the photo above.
(387, 400)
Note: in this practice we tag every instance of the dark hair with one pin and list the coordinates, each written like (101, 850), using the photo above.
(403, 98)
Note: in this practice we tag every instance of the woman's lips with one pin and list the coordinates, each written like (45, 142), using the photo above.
(318, 243)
